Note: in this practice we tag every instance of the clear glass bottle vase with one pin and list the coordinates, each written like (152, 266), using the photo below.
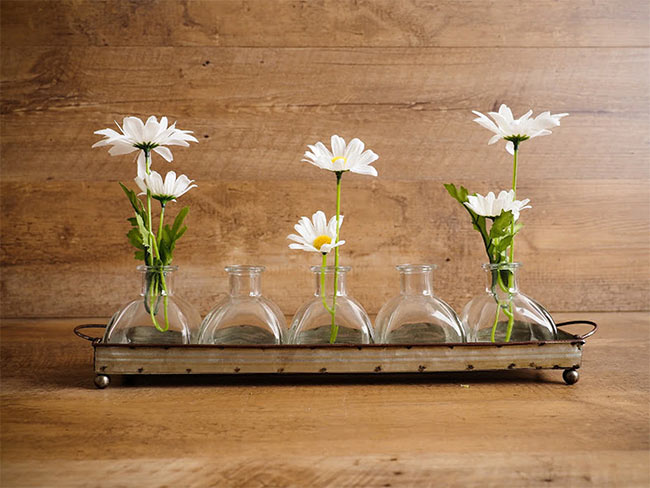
(416, 315)
(244, 316)
(329, 316)
(158, 316)
(503, 313)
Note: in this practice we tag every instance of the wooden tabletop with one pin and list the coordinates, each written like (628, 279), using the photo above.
(515, 428)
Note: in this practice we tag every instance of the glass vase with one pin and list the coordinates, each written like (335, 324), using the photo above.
(416, 315)
(503, 313)
(244, 316)
(331, 317)
(158, 316)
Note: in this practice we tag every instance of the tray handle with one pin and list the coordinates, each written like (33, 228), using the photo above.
(79, 328)
(594, 326)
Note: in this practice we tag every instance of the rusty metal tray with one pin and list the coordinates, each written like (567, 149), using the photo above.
(565, 354)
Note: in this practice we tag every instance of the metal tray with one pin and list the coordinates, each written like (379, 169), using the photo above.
(148, 359)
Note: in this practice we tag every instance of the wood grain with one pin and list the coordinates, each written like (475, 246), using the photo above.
(83, 256)
(329, 23)
(499, 429)
(402, 76)
(255, 110)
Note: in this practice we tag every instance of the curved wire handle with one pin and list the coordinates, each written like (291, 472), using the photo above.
(583, 322)
(78, 328)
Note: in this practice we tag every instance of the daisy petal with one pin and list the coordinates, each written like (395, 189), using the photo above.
(338, 146)
(165, 153)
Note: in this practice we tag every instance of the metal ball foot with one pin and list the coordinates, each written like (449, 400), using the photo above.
(102, 381)
(571, 376)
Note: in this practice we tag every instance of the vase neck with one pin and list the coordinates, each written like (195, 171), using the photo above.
(245, 281)
(502, 279)
(159, 280)
(416, 279)
(325, 278)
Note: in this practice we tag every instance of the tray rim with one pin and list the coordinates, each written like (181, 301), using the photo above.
(572, 339)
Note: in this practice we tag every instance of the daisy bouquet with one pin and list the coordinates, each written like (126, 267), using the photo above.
(154, 243)
(318, 234)
(496, 218)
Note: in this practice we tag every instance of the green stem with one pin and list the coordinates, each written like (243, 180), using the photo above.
(322, 284)
(153, 285)
(511, 276)
(507, 312)
(335, 328)
(153, 293)
(160, 225)
(164, 292)
(152, 236)
(147, 155)
(496, 322)
(501, 283)
(514, 189)
(511, 320)
(163, 282)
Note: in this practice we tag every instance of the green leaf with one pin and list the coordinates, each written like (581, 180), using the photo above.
(178, 221)
(179, 234)
(479, 222)
(135, 238)
(501, 226)
(134, 200)
(458, 194)
(144, 233)
(503, 243)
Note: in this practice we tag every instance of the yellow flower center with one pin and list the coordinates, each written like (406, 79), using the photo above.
(334, 160)
(320, 240)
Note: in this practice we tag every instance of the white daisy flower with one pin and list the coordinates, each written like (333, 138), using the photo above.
(149, 136)
(342, 158)
(316, 235)
(505, 126)
(491, 206)
(166, 191)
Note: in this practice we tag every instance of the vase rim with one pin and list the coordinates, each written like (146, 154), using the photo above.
(500, 266)
(415, 268)
(244, 269)
(149, 269)
(330, 269)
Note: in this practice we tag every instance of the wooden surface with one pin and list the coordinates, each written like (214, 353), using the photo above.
(402, 76)
(472, 429)
(331, 23)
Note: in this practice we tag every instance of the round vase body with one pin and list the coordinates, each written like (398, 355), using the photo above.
(503, 313)
(158, 316)
(416, 315)
(313, 323)
(244, 316)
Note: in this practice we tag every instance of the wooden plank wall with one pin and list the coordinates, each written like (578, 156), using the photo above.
(258, 80)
